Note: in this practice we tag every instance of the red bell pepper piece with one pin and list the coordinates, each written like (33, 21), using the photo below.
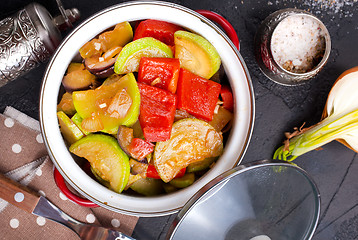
(160, 30)
(197, 95)
(139, 148)
(159, 72)
(157, 110)
(227, 98)
(152, 172)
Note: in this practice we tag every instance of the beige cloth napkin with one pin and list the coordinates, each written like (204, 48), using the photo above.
(23, 157)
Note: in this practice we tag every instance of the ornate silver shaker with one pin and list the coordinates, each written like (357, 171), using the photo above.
(29, 37)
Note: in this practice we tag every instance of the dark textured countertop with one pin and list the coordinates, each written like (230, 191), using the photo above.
(278, 108)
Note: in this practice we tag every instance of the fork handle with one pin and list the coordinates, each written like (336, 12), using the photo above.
(17, 194)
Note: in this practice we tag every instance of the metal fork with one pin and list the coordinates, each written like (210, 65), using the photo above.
(31, 202)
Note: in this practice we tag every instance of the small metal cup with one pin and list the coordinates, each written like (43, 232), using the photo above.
(264, 56)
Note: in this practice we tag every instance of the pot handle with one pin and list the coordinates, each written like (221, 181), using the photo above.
(61, 184)
(228, 28)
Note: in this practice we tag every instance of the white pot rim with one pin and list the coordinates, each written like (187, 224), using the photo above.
(237, 74)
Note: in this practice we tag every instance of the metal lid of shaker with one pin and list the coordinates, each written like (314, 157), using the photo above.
(49, 28)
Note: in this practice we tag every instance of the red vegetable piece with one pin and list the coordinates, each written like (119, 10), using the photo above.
(156, 134)
(139, 148)
(227, 98)
(197, 95)
(152, 172)
(160, 30)
(157, 110)
(159, 72)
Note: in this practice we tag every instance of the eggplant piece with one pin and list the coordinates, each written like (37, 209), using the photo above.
(77, 79)
(133, 147)
(138, 167)
(145, 160)
(124, 138)
(93, 64)
(104, 73)
(102, 66)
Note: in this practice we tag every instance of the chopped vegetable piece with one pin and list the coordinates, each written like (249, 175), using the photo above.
(128, 59)
(227, 98)
(185, 181)
(138, 167)
(112, 79)
(111, 102)
(102, 66)
(119, 36)
(191, 140)
(91, 48)
(94, 64)
(157, 110)
(202, 165)
(105, 73)
(196, 54)
(168, 188)
(221, 119)
(152, 172)
(78, 79)
(66, 104)
(106, 158)
(340, 121)
(159, 72)
(124, 138)
(69, 130)
(132, 179)
(196, 95)
(181, 114)
(139, 148)
(96, 174)
(137, 130)
(120, 104)
(92, 123)
(78, 121)
(156, 134)
(148, 186)
(74, 67)
(163, 31)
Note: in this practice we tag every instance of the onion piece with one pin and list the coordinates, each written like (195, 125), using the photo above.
(339, 121)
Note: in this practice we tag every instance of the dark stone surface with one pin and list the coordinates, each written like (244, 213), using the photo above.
(278, 108)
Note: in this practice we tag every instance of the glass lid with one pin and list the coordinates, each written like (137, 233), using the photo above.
(262, 200)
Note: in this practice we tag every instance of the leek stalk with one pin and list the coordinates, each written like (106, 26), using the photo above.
(319, 135)
(340, 121)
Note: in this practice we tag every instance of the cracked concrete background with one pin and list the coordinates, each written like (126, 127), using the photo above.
(278, 108)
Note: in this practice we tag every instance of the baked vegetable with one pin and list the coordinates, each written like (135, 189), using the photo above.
(196, 54)
(106, 158)
(191, 140)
